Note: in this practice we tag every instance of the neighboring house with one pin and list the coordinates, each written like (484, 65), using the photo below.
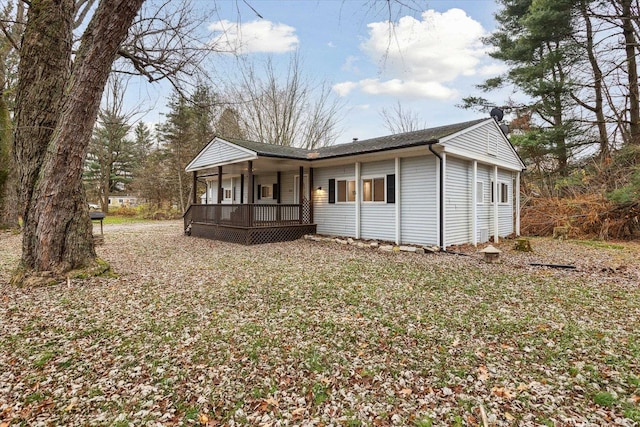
(443, 186)
(123, 201)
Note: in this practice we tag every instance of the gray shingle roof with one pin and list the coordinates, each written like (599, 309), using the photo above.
(390, 142)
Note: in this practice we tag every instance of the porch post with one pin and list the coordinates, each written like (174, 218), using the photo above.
(398, 212)
(311, 194)
(194, 192)
(218, 209)
(516, 196)
(357, 200)
(241, 188)
(250, 195)
(300, 193)
(250, 173)
(219, 185)
(278, 198)
(474, 204)
(496, 219)
(279, 183)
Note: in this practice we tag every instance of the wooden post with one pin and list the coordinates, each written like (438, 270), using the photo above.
(311, 194)
(250, 195)
(278, 198)
(219, 185)
(300, 193)
(218, 209)
(194, 192)
(241, 188)
(250, 173)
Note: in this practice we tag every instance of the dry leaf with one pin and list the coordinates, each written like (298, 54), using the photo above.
(405, 391)
(483, 373)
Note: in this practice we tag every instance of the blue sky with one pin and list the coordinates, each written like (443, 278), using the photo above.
(432, 60)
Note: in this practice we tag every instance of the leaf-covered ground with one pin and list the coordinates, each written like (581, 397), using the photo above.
(198, 332)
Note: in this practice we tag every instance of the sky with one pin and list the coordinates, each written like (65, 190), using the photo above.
(433, 58)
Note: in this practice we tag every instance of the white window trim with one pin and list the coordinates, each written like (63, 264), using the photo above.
(224, 193)
(373, 177)
(346, 202)
(480, 194)
(500, 202)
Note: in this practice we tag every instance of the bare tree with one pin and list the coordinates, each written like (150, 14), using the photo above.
(288, 111)
(399, 119)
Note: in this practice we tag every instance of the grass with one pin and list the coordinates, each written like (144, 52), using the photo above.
(119, 219)
(302, 333)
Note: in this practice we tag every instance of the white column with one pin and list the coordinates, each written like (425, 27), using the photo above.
(496, 197)
(516, 196)
(357, 236)
(444, 200)
(474, 204)
(397, 198)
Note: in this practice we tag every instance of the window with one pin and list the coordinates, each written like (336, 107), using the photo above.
(479, 192)
(504, 192)
(373, 190)
(346, 191)
(266, 191)
(493, 190)
(227, 194)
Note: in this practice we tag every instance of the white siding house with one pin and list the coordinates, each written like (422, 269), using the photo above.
(443, 186)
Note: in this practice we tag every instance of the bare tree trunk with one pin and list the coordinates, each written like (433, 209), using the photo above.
(58, 231)
(632, 72)
(598, 81)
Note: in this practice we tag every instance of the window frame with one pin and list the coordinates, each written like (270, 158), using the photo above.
(269, 192)
(480, 193)
(224, 194)
(346, 192)
(503, 193)
(373, 179)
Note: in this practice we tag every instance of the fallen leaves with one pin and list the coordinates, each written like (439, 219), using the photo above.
(200, 332)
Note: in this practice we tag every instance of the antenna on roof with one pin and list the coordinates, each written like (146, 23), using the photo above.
(354, 140)
(497, 114)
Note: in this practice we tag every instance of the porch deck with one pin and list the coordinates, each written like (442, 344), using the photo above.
(249, 224)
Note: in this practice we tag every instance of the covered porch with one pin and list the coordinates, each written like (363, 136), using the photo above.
(250, 198)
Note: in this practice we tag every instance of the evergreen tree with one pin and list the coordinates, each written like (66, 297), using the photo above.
(111, 158)
(189, 126)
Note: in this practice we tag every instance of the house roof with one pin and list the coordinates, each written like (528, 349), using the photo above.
(390, 142)
(224, 151)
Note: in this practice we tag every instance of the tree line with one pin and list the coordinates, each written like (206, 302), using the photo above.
(573, 73)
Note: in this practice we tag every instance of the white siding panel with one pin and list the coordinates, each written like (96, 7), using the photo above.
(337, 219)
(418, 195)
(505, 211)
(458, 201)
(485, 210)
(482, 141)
(377, 219)
(218, 152)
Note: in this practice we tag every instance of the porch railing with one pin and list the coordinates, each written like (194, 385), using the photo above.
(255, 215)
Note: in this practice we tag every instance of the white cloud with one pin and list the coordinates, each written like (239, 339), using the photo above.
(254, 37)
(343, 89)
(331, 45)
(397, 88)
(350, 64)
(420, 57)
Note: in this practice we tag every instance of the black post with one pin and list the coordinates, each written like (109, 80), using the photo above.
(300, 193)
(194, 192)
(311, 195)
(250, 171)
